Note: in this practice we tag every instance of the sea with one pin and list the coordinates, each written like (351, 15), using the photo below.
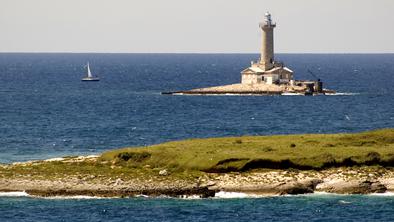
(46, 111)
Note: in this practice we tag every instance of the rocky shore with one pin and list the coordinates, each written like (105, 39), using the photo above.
(247, 89)
(351, 180)
(355, 180)
(239, 89)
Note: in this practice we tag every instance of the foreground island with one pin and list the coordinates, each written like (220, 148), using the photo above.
(358, 163)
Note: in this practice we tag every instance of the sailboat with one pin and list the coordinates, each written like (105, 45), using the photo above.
(90, 77)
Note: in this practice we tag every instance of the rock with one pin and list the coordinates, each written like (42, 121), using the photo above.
(388, 183)
(377, 187)
(163, 172)
(211, 183)
(206, 184)
(353, 187)
(306, 186)
(118, 182)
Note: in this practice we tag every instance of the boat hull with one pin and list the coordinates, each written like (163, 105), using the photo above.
(90, 79)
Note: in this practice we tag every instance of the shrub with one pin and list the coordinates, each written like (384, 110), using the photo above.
(133, 156)
(238, 141)
(268, 149)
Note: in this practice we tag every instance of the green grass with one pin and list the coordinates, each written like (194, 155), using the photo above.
(309, 151)
(189, 159)
(91, 171)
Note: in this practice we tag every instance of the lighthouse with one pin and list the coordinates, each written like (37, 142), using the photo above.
(266, 70)
(266, 76)
(267, 46)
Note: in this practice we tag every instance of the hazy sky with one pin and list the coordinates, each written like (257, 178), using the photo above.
(218, 26)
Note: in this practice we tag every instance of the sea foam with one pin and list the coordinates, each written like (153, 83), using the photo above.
(226, 195)
(386, 194)
(342, 94)
(78, 197)
(14, 194)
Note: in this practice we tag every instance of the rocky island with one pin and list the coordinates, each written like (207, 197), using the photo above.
(357, 163)
(266, 76)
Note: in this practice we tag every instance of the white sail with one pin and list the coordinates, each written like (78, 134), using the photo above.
(90, 77)
(89, 73)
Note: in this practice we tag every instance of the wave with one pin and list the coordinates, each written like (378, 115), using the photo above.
(14, 194)
(228, 195)
(225, 195)
(78, 197)
(322, 193)
(218, 195)
(342, 94)
(292, 94)
(24, 194)
(387, 194)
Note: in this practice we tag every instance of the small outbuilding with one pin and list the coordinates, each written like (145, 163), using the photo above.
(257, 75)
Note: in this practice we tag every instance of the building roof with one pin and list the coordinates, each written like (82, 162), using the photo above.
(259, 70)
(254, 69)
(279, 68)
(287, 69)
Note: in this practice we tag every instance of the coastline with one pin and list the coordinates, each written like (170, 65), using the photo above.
(358, 163)
(258, 183)
(250, 89)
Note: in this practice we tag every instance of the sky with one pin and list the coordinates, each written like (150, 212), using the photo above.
(195, 26)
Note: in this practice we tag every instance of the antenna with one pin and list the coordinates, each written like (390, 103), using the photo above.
(314, 76)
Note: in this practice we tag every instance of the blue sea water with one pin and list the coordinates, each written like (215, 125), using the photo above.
(296, 208)
(46, 111)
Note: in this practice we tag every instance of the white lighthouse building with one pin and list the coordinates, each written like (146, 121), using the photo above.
(265, 76)
(267, 70)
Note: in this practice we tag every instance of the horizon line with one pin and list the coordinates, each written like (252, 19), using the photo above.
(65, 52)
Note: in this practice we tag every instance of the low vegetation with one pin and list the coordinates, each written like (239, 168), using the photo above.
(188, 159)
(309, 151)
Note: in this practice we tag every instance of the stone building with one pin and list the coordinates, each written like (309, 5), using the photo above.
(267, 70)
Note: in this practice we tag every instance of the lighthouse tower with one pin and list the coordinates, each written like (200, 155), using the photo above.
(267, 48)
(267, 70)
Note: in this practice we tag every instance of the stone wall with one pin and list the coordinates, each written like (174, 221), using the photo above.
(251, 78)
